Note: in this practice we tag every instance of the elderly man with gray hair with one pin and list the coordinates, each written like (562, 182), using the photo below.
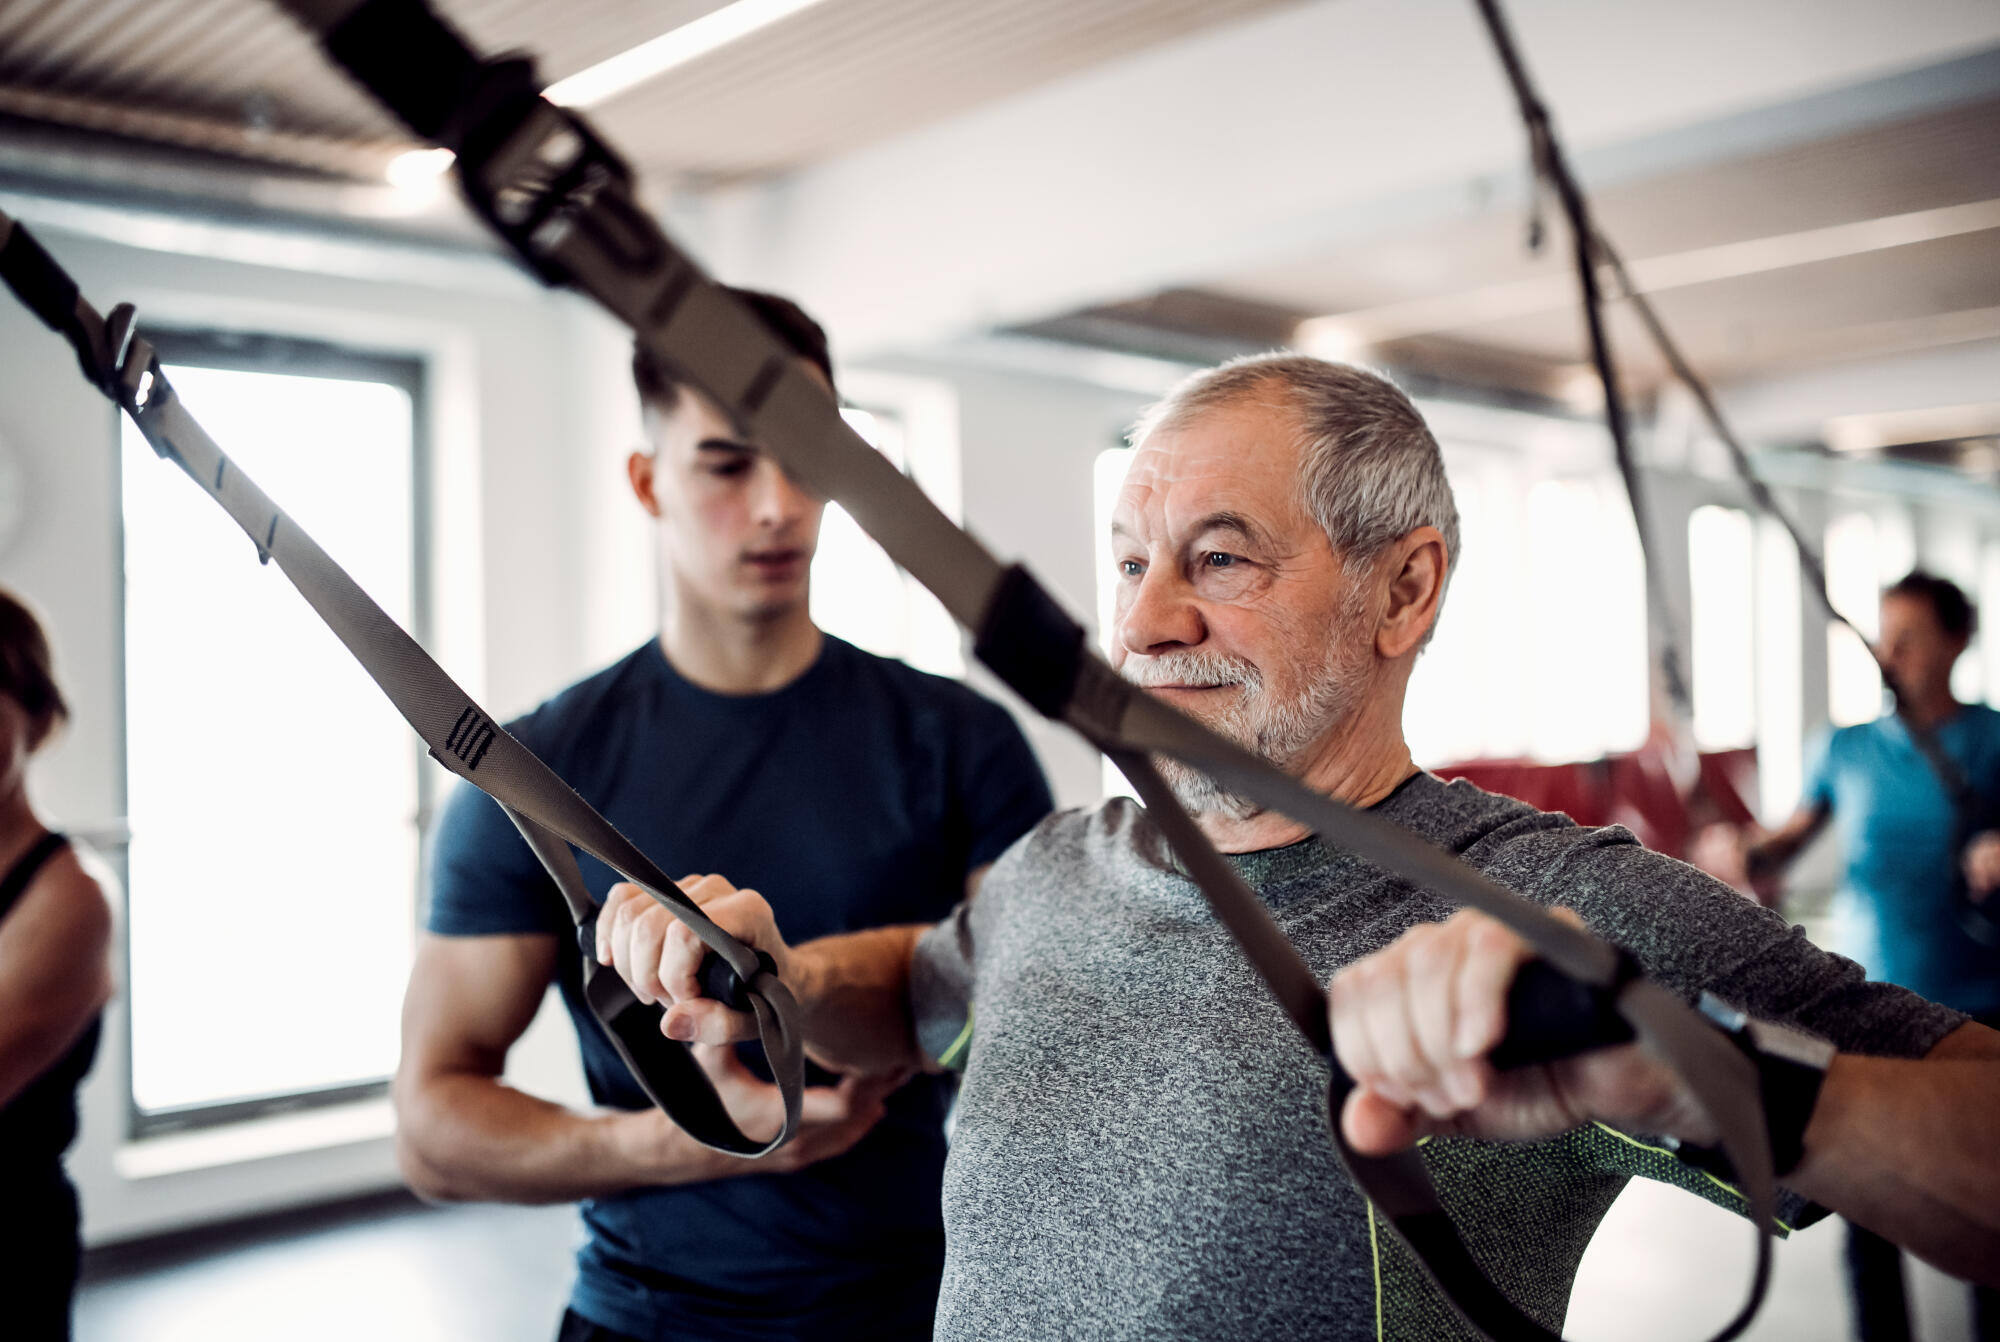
(1140, 1149)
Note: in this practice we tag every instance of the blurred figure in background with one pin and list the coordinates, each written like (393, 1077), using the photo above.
(1906, 850)
(55, 976)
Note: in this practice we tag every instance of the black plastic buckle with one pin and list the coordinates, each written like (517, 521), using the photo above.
(1031, 642)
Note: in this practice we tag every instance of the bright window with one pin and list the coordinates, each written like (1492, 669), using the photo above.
(1780, 654)
(272, 793)
(1989, 608)
(1722, 626)
(858, 592)
(1583, 603)
(1853, 582)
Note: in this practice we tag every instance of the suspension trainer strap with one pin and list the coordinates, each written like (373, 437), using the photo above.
(461, 735)
(544, 180)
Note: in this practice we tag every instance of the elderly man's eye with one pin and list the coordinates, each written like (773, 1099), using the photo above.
(1217, 559)
(1130, 568)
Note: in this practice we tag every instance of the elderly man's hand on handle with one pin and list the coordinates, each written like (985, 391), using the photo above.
(1909, 1148)
(1414, 1023)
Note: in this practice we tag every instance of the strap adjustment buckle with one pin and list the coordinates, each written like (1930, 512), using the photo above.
(1030, 642)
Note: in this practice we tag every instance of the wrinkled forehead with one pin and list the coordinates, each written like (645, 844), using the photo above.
(1241, 458)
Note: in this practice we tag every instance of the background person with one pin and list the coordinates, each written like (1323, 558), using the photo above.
(1141, 1146)
(1897, 910)
(55, 977)
(857, 790)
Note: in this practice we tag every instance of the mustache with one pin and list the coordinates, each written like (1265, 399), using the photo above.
(1194, 668)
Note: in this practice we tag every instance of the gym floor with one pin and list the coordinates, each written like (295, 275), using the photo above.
(1665, 1268)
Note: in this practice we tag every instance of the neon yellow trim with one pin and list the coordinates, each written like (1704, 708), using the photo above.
(1375, 1252)
(954, 1053)
(1726, 1187)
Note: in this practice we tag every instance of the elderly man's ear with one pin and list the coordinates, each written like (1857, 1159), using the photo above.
(1415, 567)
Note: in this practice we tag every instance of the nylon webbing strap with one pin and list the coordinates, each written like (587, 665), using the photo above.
(556, 193)
(461, 736)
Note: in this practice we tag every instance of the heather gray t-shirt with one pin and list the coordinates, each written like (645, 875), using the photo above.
(1141, 1148)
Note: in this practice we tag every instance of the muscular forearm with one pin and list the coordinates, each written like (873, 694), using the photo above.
(855, 992)
(463, 1137)
(1911, 1149)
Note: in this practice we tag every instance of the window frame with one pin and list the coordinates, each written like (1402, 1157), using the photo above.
(261, 352)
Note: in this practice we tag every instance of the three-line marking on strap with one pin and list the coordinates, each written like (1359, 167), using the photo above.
(762, 385)
(470, 736)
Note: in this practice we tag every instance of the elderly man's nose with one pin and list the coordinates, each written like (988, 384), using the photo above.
(1161, 614)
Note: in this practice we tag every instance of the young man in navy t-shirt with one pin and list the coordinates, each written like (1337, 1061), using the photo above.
(851, 790)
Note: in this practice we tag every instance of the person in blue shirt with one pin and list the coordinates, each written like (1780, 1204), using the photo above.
(853, 791)
(1913, 861)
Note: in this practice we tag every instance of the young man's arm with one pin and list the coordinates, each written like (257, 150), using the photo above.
(463, 1134)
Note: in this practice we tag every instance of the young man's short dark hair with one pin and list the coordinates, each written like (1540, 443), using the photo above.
(788, 321)
(1947, 600)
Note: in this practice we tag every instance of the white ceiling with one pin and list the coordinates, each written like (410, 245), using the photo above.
(1807, 181)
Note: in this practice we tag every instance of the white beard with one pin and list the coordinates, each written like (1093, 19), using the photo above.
(1281, 731)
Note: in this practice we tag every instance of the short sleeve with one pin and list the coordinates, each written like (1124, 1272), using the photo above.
(1818, 793)
(941, 973)
(1695, 934)
(484, 879)
(1001, 785)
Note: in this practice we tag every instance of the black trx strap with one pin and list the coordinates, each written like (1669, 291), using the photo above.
(1594, 251)
(461, 736)
(564, 201)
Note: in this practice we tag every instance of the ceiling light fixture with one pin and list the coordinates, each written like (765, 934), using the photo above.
(1329, 338)
(712, 31)
(418, 167)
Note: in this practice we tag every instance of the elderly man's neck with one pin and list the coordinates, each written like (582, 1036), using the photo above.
(1361, 763)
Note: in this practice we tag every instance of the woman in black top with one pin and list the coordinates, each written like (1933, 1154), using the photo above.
(55, 976)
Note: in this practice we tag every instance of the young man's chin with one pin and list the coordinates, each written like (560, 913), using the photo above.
(766, 607)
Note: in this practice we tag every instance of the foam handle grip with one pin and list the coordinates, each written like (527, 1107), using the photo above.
(1550, 1016)
(720, 982)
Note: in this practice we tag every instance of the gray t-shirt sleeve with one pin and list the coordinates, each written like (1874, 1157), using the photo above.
(1693, 933)
(941, 972)
(945, 962)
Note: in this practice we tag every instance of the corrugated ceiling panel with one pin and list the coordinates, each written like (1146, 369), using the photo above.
(829, 79)
(848, 73)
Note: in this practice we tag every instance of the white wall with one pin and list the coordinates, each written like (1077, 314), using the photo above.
(520, 435)
(1029, 440)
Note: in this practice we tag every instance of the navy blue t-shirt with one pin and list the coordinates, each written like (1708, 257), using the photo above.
(859, 795)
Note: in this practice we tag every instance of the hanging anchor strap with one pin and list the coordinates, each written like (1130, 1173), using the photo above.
(461, 735)
(1971, 811)
(548, 185)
